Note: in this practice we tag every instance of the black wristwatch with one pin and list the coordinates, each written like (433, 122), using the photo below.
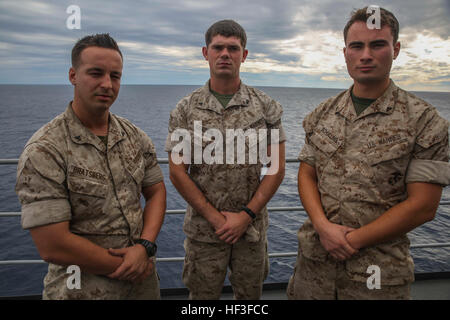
(249, 212)
(149, 246)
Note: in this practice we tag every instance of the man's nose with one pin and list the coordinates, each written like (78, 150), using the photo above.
(366, 54)
(106, 82)
(225, 52)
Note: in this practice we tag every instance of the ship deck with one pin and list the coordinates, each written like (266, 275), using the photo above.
(430, 286)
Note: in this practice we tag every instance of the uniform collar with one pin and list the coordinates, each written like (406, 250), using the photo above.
(209, 101)
(384, 104)
(81, 135)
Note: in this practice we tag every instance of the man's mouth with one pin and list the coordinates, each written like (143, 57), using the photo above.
(104, 96)
(224, 64)
(366, 68)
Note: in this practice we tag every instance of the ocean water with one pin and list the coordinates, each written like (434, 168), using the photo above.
(25, 108)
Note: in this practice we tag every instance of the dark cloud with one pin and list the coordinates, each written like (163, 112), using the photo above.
(38, 28)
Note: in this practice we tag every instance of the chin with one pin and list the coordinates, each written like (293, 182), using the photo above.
(368, 80)
(225, 75)
(103, 106)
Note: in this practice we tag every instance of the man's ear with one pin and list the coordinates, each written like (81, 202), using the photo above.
(396, 49)
(205, 52)
(72, 76)
(245, 54)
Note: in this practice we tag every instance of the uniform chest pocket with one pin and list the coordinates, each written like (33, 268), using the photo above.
(137, 174)
(323, 144)
(256, 123)
(136, 168)
(87, 187)
(383, 155)
(250, 141)
(324, 151)
(389, 166)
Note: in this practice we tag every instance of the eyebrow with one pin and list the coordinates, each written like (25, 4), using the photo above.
(95, 69)
(225, 45)
(371, 42)
(101, 70)
(379, 41)
(355, 42)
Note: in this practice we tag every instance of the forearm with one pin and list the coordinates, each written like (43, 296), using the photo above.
(310, 196)
(65, 248)
(267, 188)
(89, 257)
(154, 212)
(271, 181)
(332, 236)
(420, 207)
(237, 223)
(195, 197)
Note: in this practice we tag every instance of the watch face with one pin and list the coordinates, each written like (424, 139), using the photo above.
(151, 250)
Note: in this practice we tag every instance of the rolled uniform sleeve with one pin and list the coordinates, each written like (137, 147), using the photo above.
(153, 173)
(41, 187)
(307, 152)
(176, 121)
(273, 115)
(307, 155)
(429, 163)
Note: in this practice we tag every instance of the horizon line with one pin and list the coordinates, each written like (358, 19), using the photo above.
(197, 85)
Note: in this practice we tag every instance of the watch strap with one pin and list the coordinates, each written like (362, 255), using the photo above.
(249, 212)
(149, 246)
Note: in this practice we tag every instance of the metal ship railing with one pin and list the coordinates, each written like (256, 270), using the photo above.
(182, 211)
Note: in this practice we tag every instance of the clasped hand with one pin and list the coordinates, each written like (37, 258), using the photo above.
(333, 239)
(136, 265)
(236, 224)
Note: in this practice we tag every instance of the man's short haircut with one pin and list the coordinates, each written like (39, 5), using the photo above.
(226, 28)
(387, 18)
(103, 40)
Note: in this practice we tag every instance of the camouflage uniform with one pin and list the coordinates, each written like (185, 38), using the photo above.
(228, 187)
(66, 173)
(363, 164)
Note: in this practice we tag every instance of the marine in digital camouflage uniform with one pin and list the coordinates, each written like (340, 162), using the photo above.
(80, 189)
(368, 175)
(220, 234)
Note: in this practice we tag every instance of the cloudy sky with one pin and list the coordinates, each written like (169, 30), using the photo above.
(291, 43)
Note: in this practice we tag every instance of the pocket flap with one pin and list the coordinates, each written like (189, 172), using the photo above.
(87, 187)
(136, 167)
(138, 174)
(322, 143)
(255, 123)
(389, 153)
